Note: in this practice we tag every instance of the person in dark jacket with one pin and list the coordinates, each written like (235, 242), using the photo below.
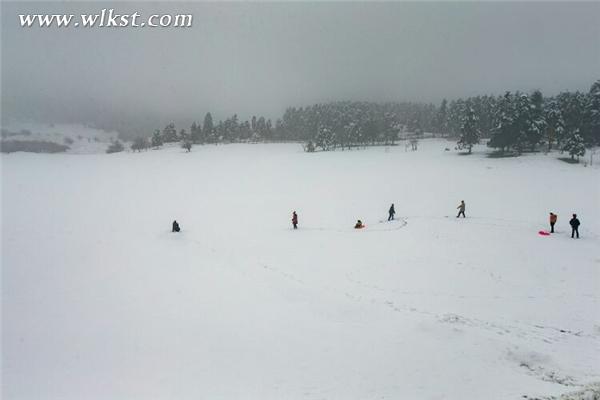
(295, 220)
(553, 218)
(175, 227)
(461, 209)
(359, 225)
(574, 222)
(391, 213)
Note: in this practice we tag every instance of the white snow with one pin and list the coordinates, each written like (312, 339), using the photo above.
(101, 301)
(81, 139)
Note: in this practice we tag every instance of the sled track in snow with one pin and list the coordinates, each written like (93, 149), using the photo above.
(381, 226)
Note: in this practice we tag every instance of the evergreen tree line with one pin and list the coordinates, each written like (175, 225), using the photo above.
(519, 122)
(352, 124)
(514, 122)
(231, 130)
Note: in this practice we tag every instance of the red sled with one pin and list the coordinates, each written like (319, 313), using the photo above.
(544, 233)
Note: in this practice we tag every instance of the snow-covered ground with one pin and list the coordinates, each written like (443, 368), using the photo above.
(101, 301)
(81, 139)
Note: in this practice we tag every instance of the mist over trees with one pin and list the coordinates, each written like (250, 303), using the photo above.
(514, 122)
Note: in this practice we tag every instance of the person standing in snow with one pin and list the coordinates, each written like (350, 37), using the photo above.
(391, 212)
(295, 220)
(553, 218)
(574, 222)
(461, 209)
(175, 227)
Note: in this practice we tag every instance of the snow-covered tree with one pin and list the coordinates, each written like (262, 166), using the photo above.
(572, 109)
(522, 119)
(208, 128)
(196, 133)
(442, 118)
(157, 139)
(469, 129)
(115, 147)
(324, 138)
(504, 131)
(455, 112)
(169, 133)
(593, 113)
(575, 146)
(139, 144)
(536, 120)
(555, 125)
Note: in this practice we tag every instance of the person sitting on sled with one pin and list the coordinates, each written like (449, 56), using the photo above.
(175, 227)
(359, 225)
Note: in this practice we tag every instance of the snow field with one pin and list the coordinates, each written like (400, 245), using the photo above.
(101, 300)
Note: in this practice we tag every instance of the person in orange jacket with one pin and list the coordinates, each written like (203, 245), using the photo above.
(553, 218)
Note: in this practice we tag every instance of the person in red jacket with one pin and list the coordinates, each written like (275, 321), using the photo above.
(295, 220)
(553, 218)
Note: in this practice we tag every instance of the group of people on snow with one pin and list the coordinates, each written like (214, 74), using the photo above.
(574, 222)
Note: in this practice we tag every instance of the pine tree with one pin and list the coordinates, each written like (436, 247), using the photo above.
(593, 114)
(486, 112)
(170, 133)
(500, 135)
(536, 120)
(207, 128)
(245, 131)
(196, 133)
(522, 121)
(469, 129)
(572, 110)
(157, 139)
(455, 112)
(575, 146)
(183, 135)
(139, 144)
(324, 138)
(555, 125)
(442, 118)
(115, 147)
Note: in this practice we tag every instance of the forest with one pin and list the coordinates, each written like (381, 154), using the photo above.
(513, 123)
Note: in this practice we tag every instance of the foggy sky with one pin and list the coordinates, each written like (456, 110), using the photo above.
(259, 58)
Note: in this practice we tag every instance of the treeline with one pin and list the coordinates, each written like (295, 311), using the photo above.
(32, 146)
(514, 122)
(231, 130)
(352, 124)
(518, 122)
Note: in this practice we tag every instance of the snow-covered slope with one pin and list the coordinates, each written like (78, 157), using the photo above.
(81, 139)
(101, 301)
